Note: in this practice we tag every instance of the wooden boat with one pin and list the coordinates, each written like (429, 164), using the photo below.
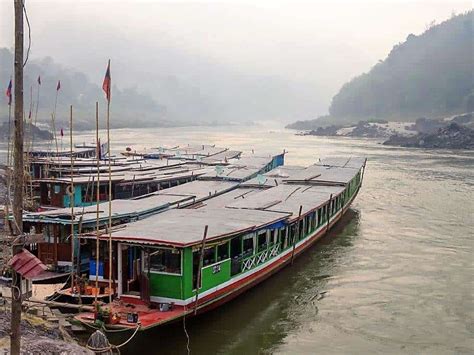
(187, 261)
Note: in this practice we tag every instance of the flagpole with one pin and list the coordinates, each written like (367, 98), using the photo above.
(97, 250)
(109, 83)
(71, 201)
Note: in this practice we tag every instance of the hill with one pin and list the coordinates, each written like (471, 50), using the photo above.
(76, 89)
(429, 75)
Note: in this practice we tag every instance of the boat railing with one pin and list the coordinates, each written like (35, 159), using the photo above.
(259, 258)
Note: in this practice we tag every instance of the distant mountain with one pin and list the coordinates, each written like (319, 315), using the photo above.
(430, 75)
(128, 105)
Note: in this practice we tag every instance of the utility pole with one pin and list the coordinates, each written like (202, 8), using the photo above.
(18, 174)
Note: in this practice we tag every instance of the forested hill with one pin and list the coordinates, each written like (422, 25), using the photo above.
(430, 75)
(427, 75)
(128, 105)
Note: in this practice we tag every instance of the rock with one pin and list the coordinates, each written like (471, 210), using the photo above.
(325, 131)
(38, 133)
(453, 136)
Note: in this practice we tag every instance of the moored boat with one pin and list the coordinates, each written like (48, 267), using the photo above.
(186, 261)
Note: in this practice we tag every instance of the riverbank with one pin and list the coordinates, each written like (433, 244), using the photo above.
(38, 336)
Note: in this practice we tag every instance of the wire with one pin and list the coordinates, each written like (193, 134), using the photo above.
(29, 34)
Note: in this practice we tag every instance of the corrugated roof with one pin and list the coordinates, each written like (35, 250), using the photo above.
(183, 227)
(288, 198)
(26, 264)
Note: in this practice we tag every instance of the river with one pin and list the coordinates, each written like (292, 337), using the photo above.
(394, 276)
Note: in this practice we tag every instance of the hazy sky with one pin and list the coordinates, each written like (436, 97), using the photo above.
(316, 44)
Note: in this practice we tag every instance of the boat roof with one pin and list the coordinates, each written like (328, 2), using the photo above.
(240, 169)
(200, 189)
(120, 208)
(274, 177)
(288, 198)
(185, 227)
(343, 162)
(322, 174)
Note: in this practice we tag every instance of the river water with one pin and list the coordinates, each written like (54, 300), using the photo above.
(394, 276)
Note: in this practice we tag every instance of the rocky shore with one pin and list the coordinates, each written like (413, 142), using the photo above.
(453, 136)
(448, 133)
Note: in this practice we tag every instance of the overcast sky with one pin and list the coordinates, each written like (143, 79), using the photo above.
(315, 44)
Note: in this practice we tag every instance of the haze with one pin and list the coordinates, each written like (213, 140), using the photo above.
(226, 60)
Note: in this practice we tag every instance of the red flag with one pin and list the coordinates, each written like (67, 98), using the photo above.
(59, 85)
(9, 92)
(39, 80)
(62, 133)
(107, 82)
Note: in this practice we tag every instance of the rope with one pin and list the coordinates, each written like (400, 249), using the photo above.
(110, 347)
(29, 35)
(184, 320)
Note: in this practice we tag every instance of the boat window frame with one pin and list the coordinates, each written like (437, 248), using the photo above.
(151, 271)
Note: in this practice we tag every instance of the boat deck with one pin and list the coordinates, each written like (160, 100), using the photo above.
(147, 317)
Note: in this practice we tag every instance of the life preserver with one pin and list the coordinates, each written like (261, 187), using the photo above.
(69, 190)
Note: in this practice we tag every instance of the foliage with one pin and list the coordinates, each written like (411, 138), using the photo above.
(428, 75)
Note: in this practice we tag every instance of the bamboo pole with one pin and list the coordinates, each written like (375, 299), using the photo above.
(71, 201)
(110, 198)
(18, 175)
(201, 256)
(36, 113)
(297, 233)
(9, 172)
(97, 201)
(53, 116)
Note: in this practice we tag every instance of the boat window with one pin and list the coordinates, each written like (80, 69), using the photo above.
(223, 251)
(262, 241)
(236, 247)
(164, 260)
(248, 246)
(209, 256)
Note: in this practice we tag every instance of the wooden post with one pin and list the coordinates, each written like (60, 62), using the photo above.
(297, 233)
(18, 176)
(97, 226)
(328, 213)
(201, 257)
(71, 201)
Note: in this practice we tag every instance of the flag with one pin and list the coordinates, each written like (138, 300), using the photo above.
(62, 133)
(9, 92)
(107, 82)
(29, 115)
(39, 80)
(59, 85)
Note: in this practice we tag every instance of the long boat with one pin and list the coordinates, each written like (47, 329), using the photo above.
(186, 261)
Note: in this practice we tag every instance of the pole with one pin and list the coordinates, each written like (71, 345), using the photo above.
(18, 174)
(53, 117)
(110, 200)
(9, 172)
(297, 233)
(36, 113)
(71, 201)
(97, 226)
(328, 213)
(201, 256)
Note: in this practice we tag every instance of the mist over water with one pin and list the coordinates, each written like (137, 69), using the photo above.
(395, 275)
